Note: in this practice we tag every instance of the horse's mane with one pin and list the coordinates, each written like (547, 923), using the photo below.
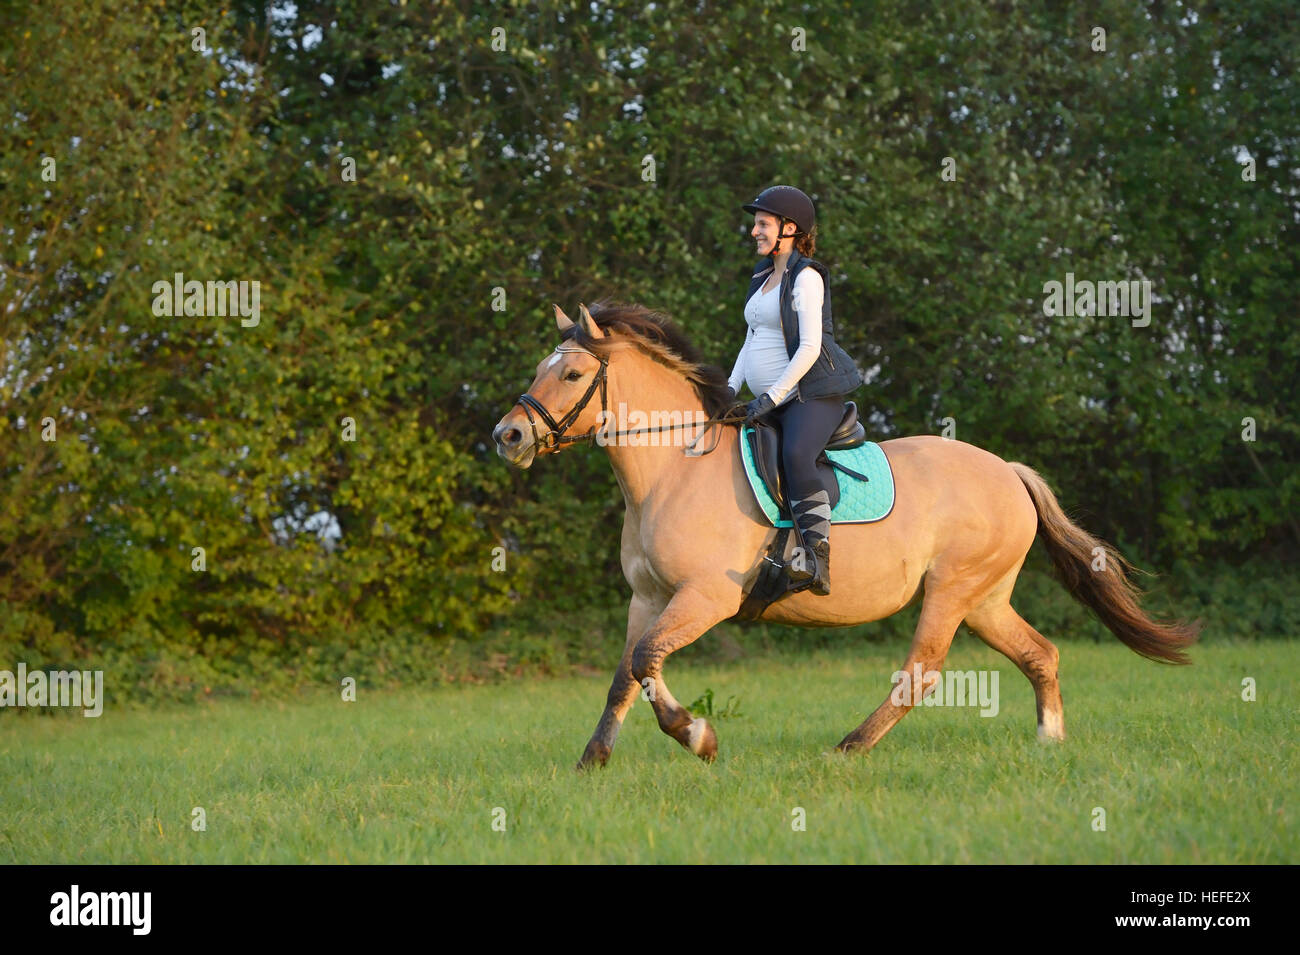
(659, 337)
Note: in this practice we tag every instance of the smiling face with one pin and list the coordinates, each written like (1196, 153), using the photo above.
(765, 232)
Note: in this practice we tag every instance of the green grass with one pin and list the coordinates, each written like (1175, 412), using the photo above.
(1186, 771)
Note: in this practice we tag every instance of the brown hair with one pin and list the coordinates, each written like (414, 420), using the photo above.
(807, 244)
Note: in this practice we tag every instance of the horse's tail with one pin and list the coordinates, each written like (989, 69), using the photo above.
(1107, 590)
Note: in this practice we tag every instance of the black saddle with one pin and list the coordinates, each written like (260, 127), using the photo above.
(765, 443)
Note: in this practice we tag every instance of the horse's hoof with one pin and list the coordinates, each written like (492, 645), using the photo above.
(595, 756)
(850, 744)
(702, 741)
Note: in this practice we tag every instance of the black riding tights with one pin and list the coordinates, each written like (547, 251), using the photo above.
(806, 426)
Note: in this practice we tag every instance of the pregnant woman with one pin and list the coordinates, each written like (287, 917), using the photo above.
(791, 361)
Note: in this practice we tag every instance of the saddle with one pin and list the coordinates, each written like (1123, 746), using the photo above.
(765, 443)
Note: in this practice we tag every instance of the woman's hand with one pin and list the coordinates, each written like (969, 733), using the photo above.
(758, 407)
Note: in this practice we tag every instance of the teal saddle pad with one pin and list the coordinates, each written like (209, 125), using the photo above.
(860, 501)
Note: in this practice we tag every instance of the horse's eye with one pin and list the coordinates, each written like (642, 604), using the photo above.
(573, 376)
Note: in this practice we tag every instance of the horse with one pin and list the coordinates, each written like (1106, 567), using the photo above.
(693, 535)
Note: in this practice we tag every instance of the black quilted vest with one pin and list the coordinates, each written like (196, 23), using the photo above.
(834, 372)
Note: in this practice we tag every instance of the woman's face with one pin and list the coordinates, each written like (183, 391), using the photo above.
(765, 232)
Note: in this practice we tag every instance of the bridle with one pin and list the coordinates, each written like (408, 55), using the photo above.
(556, 437)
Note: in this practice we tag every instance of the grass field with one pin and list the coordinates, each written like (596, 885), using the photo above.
(1185, 770)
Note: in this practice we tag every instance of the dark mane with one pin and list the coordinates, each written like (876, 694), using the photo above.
(660, 337)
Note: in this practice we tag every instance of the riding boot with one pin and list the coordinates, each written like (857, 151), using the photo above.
(821, 584)
(812, 516)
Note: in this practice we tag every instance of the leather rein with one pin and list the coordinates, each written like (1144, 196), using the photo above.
(555, 437)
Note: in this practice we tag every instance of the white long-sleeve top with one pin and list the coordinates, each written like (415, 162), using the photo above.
(763, 362)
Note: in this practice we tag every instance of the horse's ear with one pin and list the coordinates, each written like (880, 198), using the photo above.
(562, 321)
(588, 323)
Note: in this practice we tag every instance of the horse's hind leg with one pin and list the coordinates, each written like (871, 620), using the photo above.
(998, 625)
(940, 615)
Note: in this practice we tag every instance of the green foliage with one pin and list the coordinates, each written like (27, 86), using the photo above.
(522, 169)
(703, 706)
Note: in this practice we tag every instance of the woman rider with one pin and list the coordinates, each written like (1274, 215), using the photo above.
(791, 361)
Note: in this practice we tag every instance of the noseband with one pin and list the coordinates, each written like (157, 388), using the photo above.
(556, 435)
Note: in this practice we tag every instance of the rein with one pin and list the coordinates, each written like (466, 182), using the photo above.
(555, 437)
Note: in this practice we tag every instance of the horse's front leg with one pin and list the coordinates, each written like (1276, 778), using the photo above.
(686, 618)
(641, 612)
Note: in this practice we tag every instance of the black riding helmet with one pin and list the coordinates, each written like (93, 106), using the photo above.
(788, 204)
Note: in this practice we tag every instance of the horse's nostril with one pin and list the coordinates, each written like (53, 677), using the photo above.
(507, 435)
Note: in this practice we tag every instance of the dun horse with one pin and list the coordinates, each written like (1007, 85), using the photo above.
(693, 536)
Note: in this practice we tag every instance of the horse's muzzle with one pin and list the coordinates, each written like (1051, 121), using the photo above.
(515, 444)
